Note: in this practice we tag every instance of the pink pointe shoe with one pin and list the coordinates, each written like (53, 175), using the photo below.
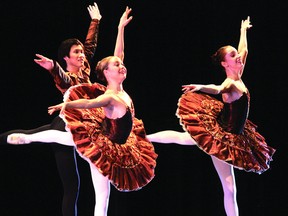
(17, 138)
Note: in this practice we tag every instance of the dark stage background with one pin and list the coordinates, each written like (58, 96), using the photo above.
(167, 44)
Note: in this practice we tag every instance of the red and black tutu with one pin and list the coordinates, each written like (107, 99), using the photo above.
(198, 114)
(129, 166)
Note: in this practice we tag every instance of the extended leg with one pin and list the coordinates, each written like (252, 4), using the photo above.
(170, 136)
(48, 136)
(4, 136)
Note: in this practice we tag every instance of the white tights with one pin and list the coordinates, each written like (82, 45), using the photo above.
(224, 170)
(170, 136)
(102, 185)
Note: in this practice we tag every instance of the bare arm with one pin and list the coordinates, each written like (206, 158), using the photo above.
(101, 101)
(243, 45)
(210, 88)
(119, 46)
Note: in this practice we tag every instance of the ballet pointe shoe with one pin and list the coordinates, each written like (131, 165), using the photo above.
(17, 138)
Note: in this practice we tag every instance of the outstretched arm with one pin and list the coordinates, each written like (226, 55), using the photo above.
(119, 46)
(61, 79)
(210, 88)
(101, 101)
(243, 46)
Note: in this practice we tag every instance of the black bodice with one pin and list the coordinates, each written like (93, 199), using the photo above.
(234, 115)
(118, 130)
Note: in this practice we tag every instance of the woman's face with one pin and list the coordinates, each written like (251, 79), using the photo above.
(232, 59)
(116, 69)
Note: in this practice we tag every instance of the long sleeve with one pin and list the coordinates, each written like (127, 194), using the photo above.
(90, 45)
(91, 39)
(64, 80)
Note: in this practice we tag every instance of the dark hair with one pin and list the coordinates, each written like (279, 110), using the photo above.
(101, 66)
(219, 56)
(64, 50)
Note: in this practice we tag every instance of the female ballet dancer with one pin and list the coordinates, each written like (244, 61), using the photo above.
(221, 128)
(101, 124)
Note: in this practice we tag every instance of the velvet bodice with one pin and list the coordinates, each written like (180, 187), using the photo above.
(234, 115)
(118, 130)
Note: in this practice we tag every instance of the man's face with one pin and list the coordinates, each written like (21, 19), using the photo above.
(76, 57)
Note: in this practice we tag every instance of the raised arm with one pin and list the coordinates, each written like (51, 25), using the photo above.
(92, 35)
(62, 80)
(119, 46)
(243, 45)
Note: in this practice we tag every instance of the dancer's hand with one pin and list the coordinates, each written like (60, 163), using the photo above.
(191, 88)
(44, 62)
(94, 12)
(125, 19)
(54, 108)
(245, 24)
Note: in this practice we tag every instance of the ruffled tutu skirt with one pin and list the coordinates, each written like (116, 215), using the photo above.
(247, 151)
(128, 166)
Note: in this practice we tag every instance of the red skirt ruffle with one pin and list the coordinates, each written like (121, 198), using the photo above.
(246, 151)
(128, 166)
